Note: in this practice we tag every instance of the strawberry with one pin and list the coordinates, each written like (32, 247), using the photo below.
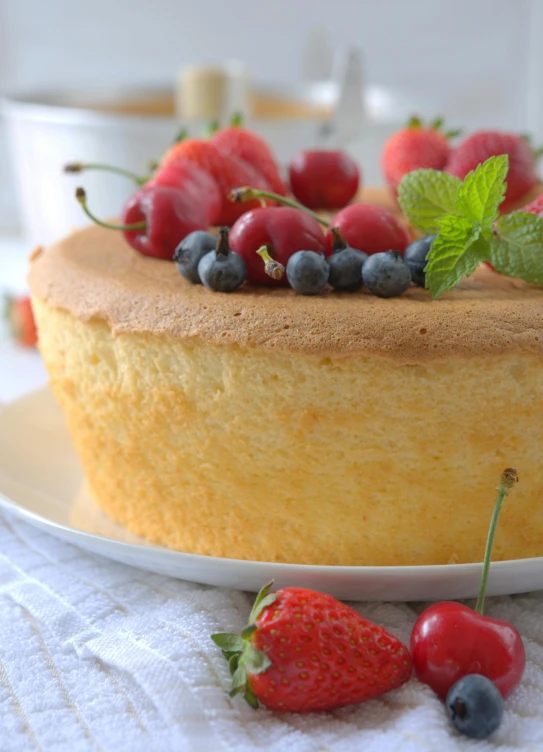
(478, 147)
(412, 148)
(21, 320)
(228, 171)
(306, 651)
(535, 206)
(247, 146)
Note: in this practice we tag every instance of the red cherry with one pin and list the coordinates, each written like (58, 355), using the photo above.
(168, 215)
(369, 228)
(450, 640)
(283, 229)
(197, 185)
(324, 179)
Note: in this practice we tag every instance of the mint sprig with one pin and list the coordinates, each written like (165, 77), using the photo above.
(464, 215)
(426, 195)
(517, 249)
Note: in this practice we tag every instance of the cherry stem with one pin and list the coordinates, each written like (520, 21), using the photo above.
(240, 195)
(81, 196)
(223, 246)
(273, 269)
(508, 479)
(81, 166)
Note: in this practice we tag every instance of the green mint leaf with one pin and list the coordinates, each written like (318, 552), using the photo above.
(456, 252)
(517, 251)
(482, 191)
(425, 196)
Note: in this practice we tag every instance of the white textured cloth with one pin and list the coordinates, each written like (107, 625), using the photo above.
(96, 655)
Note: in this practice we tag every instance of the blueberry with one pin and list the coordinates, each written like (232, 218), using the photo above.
(415, 256)
(345, 264)
(346, 269)
(189, 252)
(386, 274)
(475, 706)
(222, 270)
(307, 272)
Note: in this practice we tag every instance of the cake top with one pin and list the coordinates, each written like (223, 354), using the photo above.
(95, 274)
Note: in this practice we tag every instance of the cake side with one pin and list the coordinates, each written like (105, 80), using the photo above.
(244, 452)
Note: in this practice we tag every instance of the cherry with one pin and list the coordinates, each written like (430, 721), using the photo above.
(450, 641)
(283, 230)
(369, 228)
(324, 179)
(155, 219)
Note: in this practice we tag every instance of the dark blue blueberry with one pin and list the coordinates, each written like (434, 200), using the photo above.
(386, 274)
(345, 264)
(189, 252)
(475, 706)
(222, 270)
(415, 256)
(307, 272)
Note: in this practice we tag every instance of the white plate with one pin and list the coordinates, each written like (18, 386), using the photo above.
(41, 481)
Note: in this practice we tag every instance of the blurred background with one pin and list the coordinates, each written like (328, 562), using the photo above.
(113, 80)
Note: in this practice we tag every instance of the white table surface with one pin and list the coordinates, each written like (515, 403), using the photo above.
(99, 656)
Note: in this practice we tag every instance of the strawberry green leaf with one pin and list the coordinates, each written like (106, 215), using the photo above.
(426, 195)
(482, 191)
(228, 641)
(456, 252)
(263, 599)
(256, 662)
(517, 250)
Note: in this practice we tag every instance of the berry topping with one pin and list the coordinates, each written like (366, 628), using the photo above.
(228, 171)
(190, 251)
(450, 641)
(478, 147)
(324, 179)
(415, 256)
(475, 706)
(165, 216)
(155, 219)
(413, 148)
(307, 272)
(222, 270)
(305, 651)
(282, 230)
(197, 185)
(386, 274)
(247, 146)
(345, 265)
(369, 228)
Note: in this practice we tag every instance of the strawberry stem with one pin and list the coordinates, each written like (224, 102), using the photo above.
(273, 268)
(81, 196)
(73, 167)
(508, 479)
(246, 193)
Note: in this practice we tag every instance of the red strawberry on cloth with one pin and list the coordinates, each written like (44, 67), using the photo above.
(21, 320)
(305, 651)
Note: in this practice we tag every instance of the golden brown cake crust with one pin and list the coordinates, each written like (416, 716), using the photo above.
(94, 274)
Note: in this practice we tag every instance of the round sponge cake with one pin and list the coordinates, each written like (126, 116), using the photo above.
(337, 429)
